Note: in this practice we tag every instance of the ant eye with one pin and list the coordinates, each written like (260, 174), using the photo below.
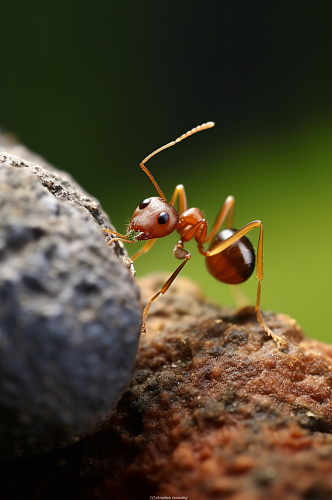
(144, 203)
(163, 218)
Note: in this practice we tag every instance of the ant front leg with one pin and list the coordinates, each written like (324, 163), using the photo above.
(179, 253)
(118, 236)
(145, 248)
(121, 237)
(223, 245)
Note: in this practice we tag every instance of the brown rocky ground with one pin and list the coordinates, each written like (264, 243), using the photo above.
(215, 410)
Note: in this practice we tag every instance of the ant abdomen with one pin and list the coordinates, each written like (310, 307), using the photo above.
(235, 264)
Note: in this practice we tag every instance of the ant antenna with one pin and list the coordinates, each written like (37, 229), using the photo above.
(194, 130)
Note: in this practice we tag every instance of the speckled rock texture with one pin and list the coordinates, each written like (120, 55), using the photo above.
(58, 183)
(69, 311)
(217, 410)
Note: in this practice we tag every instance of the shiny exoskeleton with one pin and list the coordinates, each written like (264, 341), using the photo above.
(230, 257)
(235, 264)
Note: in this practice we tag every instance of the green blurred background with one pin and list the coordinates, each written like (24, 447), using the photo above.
(96, 86)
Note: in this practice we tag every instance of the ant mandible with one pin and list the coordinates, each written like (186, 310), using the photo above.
(230, 257)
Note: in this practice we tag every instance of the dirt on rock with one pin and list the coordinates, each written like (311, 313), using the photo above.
(216, 409)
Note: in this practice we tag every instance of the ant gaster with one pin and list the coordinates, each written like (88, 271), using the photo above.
(230, 257)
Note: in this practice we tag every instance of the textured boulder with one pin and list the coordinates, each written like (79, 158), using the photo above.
(69, 311)
(217, 410)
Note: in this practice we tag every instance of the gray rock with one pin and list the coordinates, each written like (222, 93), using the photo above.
(69, 311)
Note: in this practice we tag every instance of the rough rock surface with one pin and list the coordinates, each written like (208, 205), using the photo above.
(60, 184)
(217, 410)
(69, 311)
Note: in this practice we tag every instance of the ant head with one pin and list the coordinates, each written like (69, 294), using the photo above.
(153, 218)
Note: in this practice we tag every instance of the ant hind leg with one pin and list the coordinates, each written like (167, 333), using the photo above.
(223, 245)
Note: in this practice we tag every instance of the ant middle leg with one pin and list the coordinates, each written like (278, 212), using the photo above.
(182, 254)
(199, 232)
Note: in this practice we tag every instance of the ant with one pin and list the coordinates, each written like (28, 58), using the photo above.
(230, 257)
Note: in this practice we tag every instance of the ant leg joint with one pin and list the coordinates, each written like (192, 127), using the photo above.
(180, 253)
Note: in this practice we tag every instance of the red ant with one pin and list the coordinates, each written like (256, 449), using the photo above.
(230, 257)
